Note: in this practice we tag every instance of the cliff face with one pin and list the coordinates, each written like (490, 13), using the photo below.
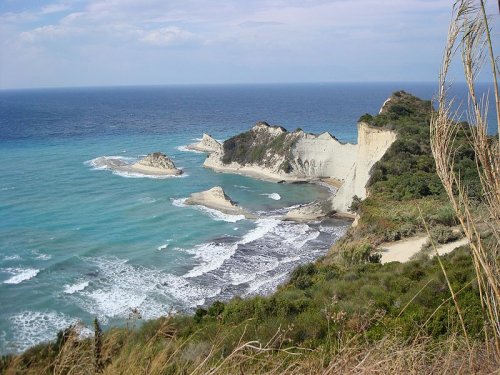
(284, 155)
(372, 145)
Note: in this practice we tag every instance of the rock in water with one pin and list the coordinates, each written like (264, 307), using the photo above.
(157, 162)
(217, 199)
(207, 144)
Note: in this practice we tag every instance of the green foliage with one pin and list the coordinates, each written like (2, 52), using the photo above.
(407, 170)
(356, 203)
(252, 146)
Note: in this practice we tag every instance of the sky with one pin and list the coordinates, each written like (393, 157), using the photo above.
(72, 43)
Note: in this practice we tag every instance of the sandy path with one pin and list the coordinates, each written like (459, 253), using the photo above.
(402, 251)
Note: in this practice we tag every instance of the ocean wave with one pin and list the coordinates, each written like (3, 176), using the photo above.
(41, 256)
(108, 162)
(186, 149)
(242, 187)
(162, 247)
(78, 287)
(274, 196)
(33, 327)
(20, 274)
(11, 257)
(141, 175)
(213, 255)
(122, 287)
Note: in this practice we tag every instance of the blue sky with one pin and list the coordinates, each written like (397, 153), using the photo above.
(132, 42)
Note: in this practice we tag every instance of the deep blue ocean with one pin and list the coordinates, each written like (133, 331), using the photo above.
(77, 242)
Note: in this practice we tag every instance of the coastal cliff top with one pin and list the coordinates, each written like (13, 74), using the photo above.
(400, 105)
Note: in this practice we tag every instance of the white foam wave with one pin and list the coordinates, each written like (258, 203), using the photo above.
(186, 149)
(33, 327)
(213, 255)
(274, 196)
(179, 202)
(78, 287)
(12, 257)
(162, 247)
(220, 216)
(122, 287)
(141, 175)
(41, 256)
(108, 162)
(20, 274)
(264, 226)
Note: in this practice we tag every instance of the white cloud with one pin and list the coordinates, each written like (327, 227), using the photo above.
(168, 36)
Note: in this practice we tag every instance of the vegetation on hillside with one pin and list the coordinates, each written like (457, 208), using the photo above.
(259, 146)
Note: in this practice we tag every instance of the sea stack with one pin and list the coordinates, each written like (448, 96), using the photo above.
(207, 144)
(217, 199)
(156, 163)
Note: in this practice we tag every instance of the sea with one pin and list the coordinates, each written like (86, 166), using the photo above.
(79, 242)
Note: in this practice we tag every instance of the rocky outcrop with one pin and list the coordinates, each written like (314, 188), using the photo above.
(216, 199)
(207, 144)
(271, 152)
(308, 212)
(156, 163)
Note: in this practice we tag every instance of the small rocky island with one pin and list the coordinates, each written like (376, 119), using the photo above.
(156, 163)
(207, 144)
(217, 199)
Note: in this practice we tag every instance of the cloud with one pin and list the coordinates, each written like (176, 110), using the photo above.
(43, 32)
(169, 36)
(255, 24)
(55, 8)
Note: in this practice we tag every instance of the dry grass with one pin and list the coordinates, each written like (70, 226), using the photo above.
(469, 33)
(169, 355)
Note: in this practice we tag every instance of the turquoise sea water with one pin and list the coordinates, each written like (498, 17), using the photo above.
(77, 242)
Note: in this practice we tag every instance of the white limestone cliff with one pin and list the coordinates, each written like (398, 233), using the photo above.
(372, 145)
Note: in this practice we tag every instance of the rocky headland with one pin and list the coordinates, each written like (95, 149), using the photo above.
(215, 198)
(273, 153)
